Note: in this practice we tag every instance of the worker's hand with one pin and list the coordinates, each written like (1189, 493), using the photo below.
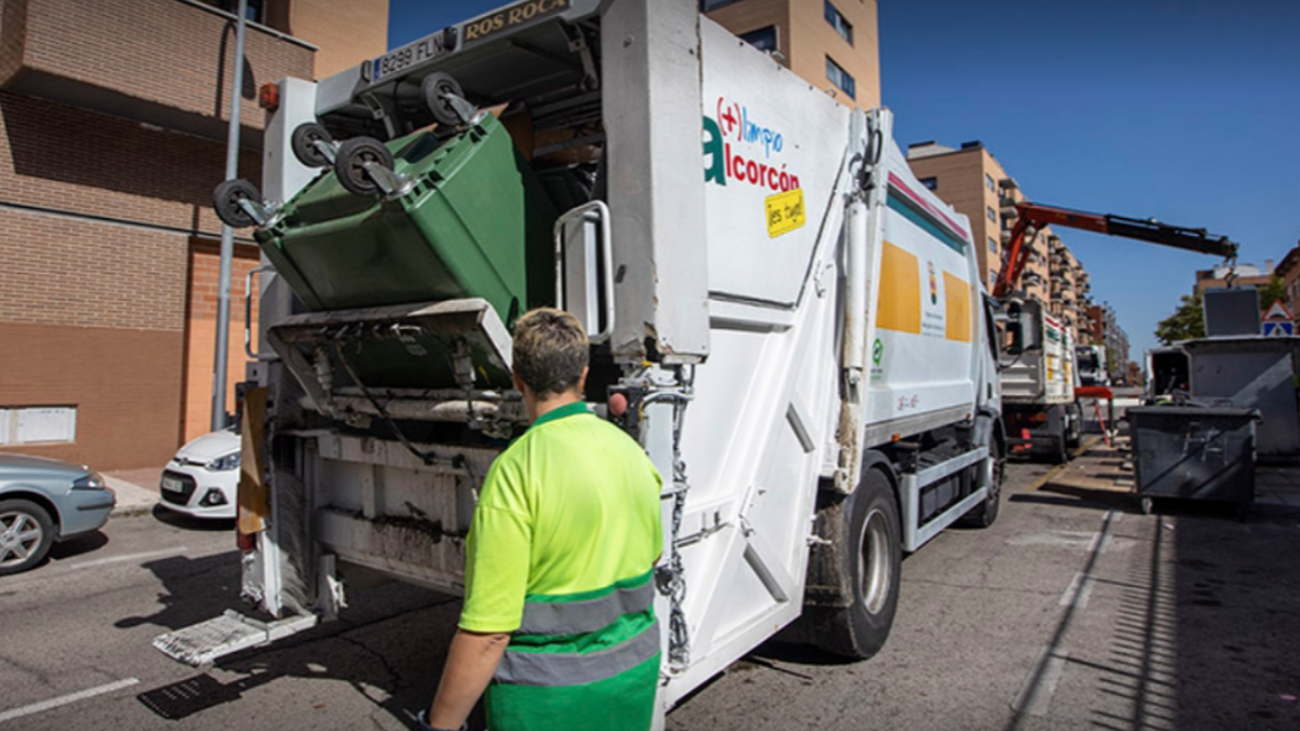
(424, 724)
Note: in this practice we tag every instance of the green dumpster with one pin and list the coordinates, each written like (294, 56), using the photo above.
(474, 222)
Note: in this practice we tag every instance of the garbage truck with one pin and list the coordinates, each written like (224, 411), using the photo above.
(790, 324)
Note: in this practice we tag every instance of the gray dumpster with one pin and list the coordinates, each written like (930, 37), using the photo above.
(1193, 452)
(1253, 373)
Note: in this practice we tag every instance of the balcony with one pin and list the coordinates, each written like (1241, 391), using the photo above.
(161, 62)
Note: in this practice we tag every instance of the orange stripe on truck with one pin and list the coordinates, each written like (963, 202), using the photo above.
(900, 291)
(956, 296)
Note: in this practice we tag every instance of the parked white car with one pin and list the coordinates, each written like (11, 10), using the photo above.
(202, 478)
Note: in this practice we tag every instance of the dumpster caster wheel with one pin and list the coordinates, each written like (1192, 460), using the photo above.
(438, 87)
(1146, 505)
(226, 198)
(351, 161)
(304, 139)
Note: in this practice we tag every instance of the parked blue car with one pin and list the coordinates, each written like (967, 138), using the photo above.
(43, 501)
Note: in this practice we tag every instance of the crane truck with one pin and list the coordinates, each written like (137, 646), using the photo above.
(792, 326)
(1040, 406)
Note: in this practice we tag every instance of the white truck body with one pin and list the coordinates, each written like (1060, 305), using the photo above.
(795, 315)
(1044, 375)
(1093, 366)
(1041, 410)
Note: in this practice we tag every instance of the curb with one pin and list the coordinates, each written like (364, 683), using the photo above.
(132, 511)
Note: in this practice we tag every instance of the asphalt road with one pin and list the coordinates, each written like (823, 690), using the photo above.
(1072, 612)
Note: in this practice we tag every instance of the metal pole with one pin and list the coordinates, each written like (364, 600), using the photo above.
(227, 233)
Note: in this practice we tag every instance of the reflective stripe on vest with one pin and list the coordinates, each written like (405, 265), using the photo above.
(578, 668)
(567, 618)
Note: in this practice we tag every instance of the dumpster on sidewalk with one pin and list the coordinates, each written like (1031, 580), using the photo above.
(1195, 453)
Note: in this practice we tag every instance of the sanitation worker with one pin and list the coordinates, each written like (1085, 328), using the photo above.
(558, 623)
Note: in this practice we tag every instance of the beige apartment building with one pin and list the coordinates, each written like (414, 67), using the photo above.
(972, 180)
(834, 44)
(113, 122)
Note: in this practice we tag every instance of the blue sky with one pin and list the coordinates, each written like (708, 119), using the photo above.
(1183, 110)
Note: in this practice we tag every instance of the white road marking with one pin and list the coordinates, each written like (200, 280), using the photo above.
(1035, 696)
(130, 557)
(1078, 592)
(65, 700)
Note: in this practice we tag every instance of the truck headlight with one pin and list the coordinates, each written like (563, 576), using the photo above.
(224, 463)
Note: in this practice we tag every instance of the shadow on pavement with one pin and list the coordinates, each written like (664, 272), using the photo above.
(389, 649)
(166, 515)
(78, 545)
(194, 589)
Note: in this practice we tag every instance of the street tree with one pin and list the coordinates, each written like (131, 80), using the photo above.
(1187, 322)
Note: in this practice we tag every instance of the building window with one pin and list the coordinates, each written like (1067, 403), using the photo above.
(707, 5)
(993, 215)
(988, 182)
(840, 78)
(838, 22)
(931, 182)
(993, 245)
(764, 39)
(38, 425)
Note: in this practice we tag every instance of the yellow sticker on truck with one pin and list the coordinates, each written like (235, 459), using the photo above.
(785, 212)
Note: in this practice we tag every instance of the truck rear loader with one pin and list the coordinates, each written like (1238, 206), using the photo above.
(790, 324)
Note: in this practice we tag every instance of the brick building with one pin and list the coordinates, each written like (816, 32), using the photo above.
(113, 120)
(972, 180)
(834, 45)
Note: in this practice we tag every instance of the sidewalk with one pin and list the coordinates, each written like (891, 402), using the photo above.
(137, 490)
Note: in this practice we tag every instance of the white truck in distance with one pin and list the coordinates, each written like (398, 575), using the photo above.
(797, 324)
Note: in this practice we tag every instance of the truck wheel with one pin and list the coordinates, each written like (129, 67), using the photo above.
(26, 533)
(303, 141)
(1057, 449)
(350, 164)
(436, 87)
(870, 552)
(226, 198)
(1074, 431)
(992, 473)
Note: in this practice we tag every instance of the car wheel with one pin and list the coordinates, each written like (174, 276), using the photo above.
(26, 533)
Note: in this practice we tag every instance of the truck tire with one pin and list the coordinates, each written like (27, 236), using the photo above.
(26, 532)
(869, 549)
(1074, 428)
(992, 473)
(350, 164)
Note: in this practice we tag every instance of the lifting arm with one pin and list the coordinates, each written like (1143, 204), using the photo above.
(1016, 252)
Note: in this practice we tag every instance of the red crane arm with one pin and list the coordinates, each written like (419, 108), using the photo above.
(1016, 252)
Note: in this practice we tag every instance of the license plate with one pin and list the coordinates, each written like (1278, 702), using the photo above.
(171, 484)
(425, 49)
